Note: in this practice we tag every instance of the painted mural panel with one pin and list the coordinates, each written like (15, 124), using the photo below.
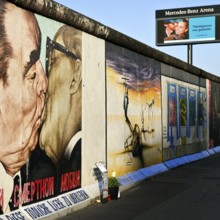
(133, 110)
(40, 108)
(172, 114)
(214, 123)
(184, 118)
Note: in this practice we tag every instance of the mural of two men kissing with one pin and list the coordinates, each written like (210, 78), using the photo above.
(40, 114)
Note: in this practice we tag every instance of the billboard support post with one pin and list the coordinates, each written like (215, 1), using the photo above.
(190, 51)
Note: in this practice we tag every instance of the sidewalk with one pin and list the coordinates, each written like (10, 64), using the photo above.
(190, 191)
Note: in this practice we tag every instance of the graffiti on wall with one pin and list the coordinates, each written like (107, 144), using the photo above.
(184, 118)
(214, 111)
(133, 110)
(40, 114)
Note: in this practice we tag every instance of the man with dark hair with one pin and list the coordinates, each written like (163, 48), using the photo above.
(23, 85)
(169, 28)
(5, 47)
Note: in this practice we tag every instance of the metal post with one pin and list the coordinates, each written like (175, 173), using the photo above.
(190, 50)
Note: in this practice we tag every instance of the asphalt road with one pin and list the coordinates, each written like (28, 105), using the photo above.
(188, 192)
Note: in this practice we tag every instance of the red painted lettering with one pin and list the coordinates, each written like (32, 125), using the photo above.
(1, 199)
(70, 181)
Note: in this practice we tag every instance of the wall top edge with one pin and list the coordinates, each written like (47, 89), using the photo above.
(58, 12)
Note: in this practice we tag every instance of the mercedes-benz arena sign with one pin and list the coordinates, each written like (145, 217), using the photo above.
(194, 25)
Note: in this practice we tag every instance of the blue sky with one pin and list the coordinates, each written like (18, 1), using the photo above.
(137, 20)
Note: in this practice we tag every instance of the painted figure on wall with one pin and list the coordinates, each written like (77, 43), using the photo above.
(64, 57)
(59, 151)
(182, 114)
(133, 142)
(192, 114)
(172, 113)
(61, 132)
(53, 158)
(23, 85)
(133, 94)
(214, 114)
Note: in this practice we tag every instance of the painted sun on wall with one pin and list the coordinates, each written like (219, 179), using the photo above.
(133, 110)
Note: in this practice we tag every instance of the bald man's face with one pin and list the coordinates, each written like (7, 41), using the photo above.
(63, 107)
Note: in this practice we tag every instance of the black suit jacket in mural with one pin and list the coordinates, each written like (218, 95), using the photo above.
(48, 179)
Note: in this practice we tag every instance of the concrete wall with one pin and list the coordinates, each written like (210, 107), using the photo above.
(102, 97)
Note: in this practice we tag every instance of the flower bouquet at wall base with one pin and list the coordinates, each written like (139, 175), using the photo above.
(113, 187)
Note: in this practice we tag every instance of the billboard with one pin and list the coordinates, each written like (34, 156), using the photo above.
(194, 25)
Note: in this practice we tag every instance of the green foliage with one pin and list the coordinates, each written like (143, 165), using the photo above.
(113, 182)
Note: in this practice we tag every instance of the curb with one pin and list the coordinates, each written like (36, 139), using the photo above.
(64, 204)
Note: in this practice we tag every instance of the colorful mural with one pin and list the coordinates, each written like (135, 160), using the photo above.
(184, 118)
(66, 94)
(214, 112)
(40, 114)
(133, 110)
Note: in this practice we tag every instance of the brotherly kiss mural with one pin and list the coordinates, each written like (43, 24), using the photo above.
(66, 92)
(40, 117)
